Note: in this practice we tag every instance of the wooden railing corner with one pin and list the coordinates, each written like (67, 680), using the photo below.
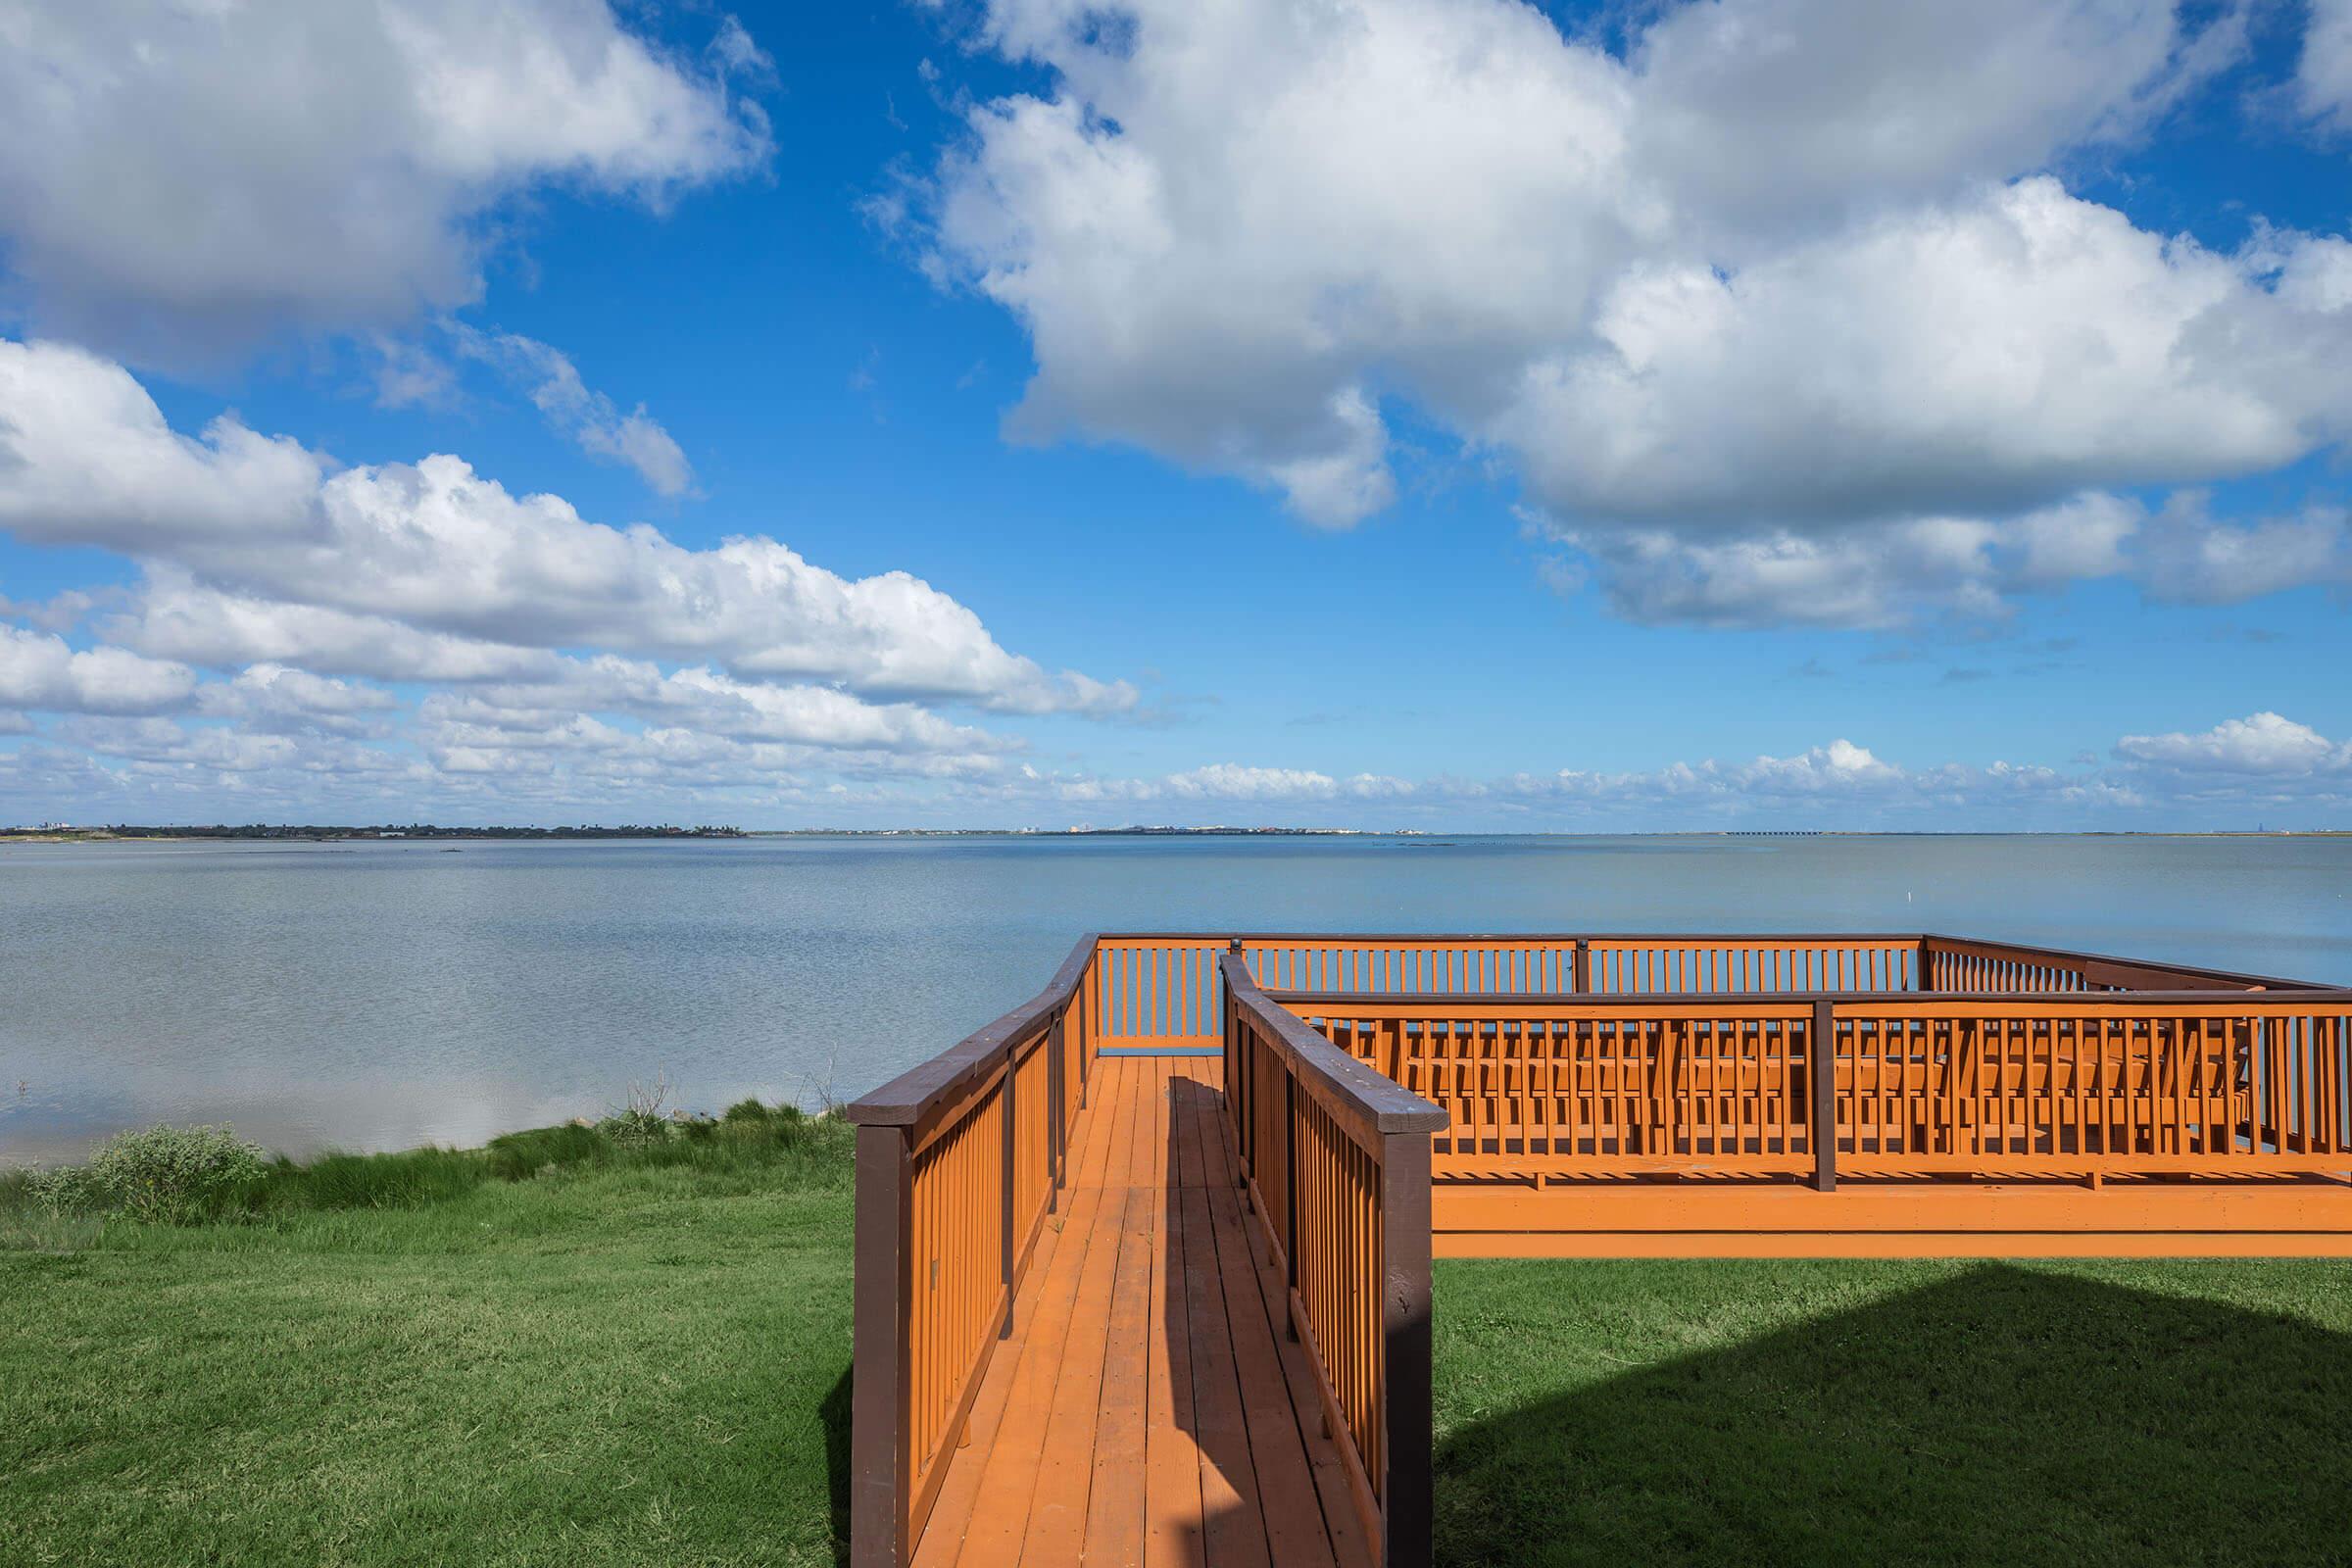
(882, 1296)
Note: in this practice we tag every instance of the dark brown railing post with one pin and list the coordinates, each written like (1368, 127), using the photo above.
(1823, 1059)
(1086, 1028)
(1243, 1115)
(882, 1297)
(1008, 1114)
(1057, 1135)
(1582, 974)
(1290, 1195)
(1407, 1415)
(1240, 1081)
(1926, 965)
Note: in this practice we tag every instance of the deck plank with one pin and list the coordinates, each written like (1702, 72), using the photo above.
(1114, 1512)
(1147, 1408)
(1233, 1523)
(1292, 1507)
(1172, 1496)
(1066, 1469)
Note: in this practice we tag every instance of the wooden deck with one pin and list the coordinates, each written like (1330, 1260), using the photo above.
(1182, 1379)
(1149, 1405)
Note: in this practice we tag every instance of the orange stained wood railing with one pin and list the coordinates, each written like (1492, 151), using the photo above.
(1650, 964)
(1596, 1085)
(1386, 1095)
(958, 1163)
(1167, 990)
(1337, 1161)
(1954, 963)
(1164, 990)
(2136, 1083)
(2072, 1085)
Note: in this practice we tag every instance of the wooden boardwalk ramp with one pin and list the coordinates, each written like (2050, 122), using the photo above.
(1150, 1406)
(1122, 1299)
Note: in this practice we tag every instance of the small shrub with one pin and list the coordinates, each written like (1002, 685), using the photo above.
(643, 1120)
(62, 1191)
(746, 1110)
(175, 1174)
(636, 1129)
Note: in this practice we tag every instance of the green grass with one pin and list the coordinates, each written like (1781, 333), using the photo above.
(1882, 1412)
(576, 1348)
(633, 1356)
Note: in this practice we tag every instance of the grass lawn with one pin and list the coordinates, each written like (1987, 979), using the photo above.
(623, 1362)
(568, 1353)
(1893, 1412)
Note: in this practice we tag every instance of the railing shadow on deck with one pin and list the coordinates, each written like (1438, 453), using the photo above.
(2008, 1414)
(1273, 1487)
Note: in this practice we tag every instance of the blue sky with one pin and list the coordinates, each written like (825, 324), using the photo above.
(1419, 413)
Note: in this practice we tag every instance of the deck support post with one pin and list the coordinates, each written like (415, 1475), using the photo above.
(882, 1298)
(1406, 1487)
(1822, 1059)
(1581, 977)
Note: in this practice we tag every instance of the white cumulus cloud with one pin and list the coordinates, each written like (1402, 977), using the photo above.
(2323, 72)
(445, 553)
(1787, 287)
(2266, 744)
(39, 670)
(178, 180)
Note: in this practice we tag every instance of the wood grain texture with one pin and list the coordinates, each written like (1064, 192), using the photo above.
(1147, 1407)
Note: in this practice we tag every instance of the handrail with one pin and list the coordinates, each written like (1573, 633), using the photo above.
(1161, 990)
(904, 1099)
(1349, 1088)
(1335, 1158)
(959, 1160)
(2187, 1082)
(1513, 1003)
(2119, 968)
(2206, 1083)
(1764, 936)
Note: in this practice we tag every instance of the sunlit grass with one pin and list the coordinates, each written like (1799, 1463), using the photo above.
(571, 1348)
(630, 1355)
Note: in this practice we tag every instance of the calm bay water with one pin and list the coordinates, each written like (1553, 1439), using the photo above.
(383, 995)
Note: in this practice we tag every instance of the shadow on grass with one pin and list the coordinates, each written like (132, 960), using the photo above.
(834, 1413)
(2004, 1415)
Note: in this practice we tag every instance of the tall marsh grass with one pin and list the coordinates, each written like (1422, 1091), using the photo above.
(184, 1176)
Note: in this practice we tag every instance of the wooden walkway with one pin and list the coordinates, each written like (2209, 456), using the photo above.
(1150, 1406)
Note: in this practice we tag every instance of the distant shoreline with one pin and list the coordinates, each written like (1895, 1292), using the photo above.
(292, 834)
(267, 833)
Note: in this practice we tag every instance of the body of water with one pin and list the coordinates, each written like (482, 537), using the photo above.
(380, 996)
